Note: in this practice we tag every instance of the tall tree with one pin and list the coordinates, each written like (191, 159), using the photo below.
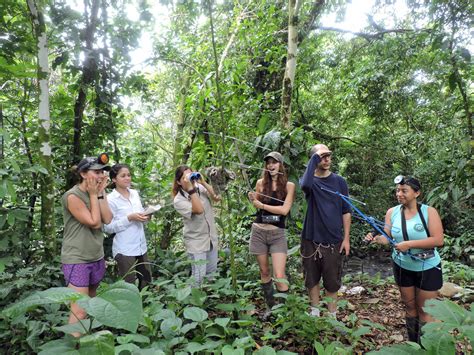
(47, 181)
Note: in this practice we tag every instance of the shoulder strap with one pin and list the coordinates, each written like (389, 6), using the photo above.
(404, 222)
(418, 206)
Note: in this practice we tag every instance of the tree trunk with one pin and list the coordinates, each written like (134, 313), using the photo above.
(89, 70)
(47, 182)
(290, 69)
(177, 153)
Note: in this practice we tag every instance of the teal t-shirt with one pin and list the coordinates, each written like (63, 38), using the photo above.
(415, 231)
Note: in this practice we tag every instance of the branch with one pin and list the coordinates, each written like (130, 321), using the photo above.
(371, 36)
(308, 26)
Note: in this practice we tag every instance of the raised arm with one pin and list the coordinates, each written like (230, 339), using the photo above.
(306, 182)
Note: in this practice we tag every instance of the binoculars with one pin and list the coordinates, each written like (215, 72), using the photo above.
(194, 176)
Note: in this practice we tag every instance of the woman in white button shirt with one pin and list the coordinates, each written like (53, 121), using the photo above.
(129, 246)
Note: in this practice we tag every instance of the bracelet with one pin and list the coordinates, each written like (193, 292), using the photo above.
(263, 206)
(190, 192)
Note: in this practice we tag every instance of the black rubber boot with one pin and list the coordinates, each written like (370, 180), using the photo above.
(268, 292)
(412, 325)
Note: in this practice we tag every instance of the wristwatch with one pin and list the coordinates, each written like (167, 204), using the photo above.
(101, 197)
(192, 191)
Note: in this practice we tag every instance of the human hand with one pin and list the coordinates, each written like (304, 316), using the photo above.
(258, 204)
(345, 246)
(92, 186)
(187, 184)
(138, 217)
(102, 185)
(252, 195)
(403, 246)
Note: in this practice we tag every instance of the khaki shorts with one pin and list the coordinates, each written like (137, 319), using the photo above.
(322, 260)
(267, 241)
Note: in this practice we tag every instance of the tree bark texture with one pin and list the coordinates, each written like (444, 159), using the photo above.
(89, 71)
(47, 182)
(290, 69)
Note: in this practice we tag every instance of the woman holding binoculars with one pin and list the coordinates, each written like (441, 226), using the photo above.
(417, 231)
(273, 198)
(192, 200)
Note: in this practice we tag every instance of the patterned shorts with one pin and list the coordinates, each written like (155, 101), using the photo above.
(84, 275)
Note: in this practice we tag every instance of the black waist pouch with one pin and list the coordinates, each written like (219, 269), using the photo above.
(270, 218)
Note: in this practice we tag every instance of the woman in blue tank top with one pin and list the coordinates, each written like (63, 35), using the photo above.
(417, 230)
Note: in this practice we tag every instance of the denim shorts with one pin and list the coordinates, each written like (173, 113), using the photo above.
(84, 275)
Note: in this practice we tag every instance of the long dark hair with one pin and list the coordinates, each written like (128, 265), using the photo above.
(114, 172)
(178, 174)
(281, 189)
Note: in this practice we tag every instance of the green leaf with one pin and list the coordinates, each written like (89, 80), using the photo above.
(171, 327)
(399, 349)
(133, 338)
(118, 306)
(195, 314)
(293, 250)
(437, 343)
(194, 347)
(52, 295)
(182, 293)
(164, 314)
(222, 321)
(100, 343)
(187, 327)
(229, 350)
(125, 349)
(266, 350)
(82, 326)
(66, 346)
(446, 311)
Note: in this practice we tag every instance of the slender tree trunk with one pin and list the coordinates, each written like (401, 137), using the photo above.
(47, 182)
(177, 152)
(89, 70)
(290, 69)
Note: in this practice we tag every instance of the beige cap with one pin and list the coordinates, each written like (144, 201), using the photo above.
(275, 155)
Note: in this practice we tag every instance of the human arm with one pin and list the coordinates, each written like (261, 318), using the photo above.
(210, 190)
(90, 217)
(280, 210)
(346, 226)
(306, 182)
(436, 238)
(105, 212)
(379, 238)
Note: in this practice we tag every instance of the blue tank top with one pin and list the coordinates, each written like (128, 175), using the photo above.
(415, 231)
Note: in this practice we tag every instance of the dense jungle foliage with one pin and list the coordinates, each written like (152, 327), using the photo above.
(211, 89)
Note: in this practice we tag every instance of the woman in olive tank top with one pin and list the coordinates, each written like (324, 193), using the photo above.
(273, 198)
(85, 208)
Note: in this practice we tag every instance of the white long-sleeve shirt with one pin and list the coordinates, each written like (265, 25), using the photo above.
(129, 237)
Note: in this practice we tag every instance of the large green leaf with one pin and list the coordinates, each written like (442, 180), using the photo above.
(195, 314)
(100, 343)
(66, 346)
(399, 349)
(439, 344)
(118, 306)
(51, 295)
(446, 311)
